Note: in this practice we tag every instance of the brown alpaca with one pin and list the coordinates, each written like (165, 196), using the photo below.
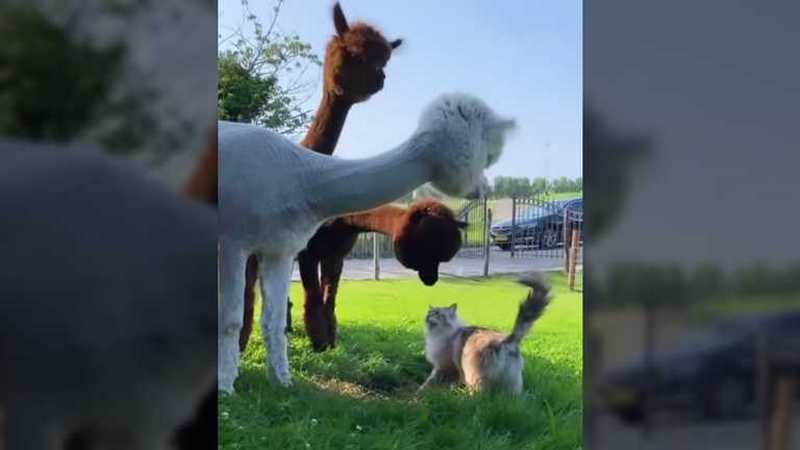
(424, 235)
(202, 183)
(353, 71)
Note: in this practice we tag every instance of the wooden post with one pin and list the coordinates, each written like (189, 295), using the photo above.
(513, 222)
(566, 231)
(781, 430)
(573, 257)
(2, 429)
(763, 388)
(486, 247)
(376, 256)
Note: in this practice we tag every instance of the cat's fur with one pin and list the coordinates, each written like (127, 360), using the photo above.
(481, 358)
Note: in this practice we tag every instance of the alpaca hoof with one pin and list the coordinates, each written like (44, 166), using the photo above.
(225, 385)
(318, 346)
(284, 379)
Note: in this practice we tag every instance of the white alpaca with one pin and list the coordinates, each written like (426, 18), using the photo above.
(107, 294)
(274, 194)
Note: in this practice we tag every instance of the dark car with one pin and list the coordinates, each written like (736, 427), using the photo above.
(711, 372)
(540, 226)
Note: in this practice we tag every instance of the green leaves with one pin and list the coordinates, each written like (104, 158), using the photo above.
(262, 77)
(51, 87)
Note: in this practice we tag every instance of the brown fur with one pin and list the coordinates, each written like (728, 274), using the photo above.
(424, 235)
(353, 71)
(202, 183)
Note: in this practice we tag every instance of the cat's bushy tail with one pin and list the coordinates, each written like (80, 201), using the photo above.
(531, 308)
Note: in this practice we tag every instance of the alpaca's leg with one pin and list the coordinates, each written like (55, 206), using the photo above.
(250, 277)
(274, 292)
(331, 270)
(231, 281)
(312, 312)
(289, 305)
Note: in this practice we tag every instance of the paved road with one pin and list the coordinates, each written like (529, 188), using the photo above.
(500, 262)
(737, 435)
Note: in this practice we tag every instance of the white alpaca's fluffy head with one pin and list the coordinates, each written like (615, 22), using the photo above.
(469, 137)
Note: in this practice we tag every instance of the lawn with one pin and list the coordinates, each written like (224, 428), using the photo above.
(361, 395)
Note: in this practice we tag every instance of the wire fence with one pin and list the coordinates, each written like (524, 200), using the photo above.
(540, 226)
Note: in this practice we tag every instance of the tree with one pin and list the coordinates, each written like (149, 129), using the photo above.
(262, 75)
(60, 85)
(538, 185)
(51, 87)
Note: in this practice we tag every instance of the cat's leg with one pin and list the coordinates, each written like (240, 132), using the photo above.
(331, 270)
(275, 277)
(250, 277)
(231, 281)
(433, 377)
(313, 316)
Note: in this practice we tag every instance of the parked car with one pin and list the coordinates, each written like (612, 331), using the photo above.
(540, 226)
(711, 372)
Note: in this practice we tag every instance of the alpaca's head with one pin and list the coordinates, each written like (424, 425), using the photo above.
(355, 58)
(468, 137)
(428, 235)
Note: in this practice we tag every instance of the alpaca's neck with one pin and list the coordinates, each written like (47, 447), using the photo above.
(341, 187)
(384, 219)
(324, 132)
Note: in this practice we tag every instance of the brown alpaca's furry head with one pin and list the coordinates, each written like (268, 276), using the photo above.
(428, 235)
(355, 58)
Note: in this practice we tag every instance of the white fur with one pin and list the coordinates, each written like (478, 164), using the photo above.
(106, 302)
(274, 194)
(439, 342)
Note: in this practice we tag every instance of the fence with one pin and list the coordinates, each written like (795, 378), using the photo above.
(538, 226)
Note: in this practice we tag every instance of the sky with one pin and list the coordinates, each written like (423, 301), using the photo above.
(523, 59)
(722, 115)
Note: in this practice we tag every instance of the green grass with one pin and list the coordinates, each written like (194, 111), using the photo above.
(361, 395)
(717, 307)
(562, 195)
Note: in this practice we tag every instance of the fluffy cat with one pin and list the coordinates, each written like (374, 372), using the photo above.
(483, 359)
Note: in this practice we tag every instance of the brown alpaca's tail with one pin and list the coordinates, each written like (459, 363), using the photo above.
(531, 308)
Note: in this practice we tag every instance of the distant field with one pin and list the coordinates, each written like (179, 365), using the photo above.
(564, 195)
(361, 395)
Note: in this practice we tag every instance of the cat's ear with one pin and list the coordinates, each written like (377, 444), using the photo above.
(453, 307)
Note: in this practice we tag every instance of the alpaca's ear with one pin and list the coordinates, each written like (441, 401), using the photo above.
(506, 124)
(396, 43)
(339, 21)
(461, 224)
(453, 307)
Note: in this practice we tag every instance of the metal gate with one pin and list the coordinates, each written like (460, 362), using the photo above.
(539, 226)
